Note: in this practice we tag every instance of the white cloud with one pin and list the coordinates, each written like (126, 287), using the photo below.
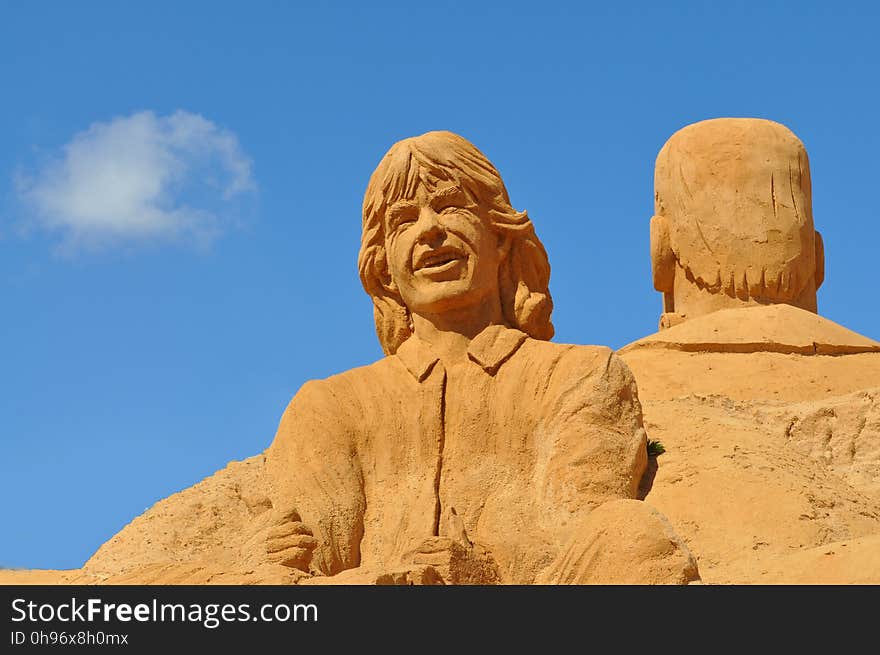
(140, 177)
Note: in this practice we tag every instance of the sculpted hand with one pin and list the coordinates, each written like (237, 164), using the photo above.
(455, 558)
(290, 542)
(439, 551)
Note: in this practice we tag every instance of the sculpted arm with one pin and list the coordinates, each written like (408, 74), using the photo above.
(317, 483)
(597, 457)
(593, 438)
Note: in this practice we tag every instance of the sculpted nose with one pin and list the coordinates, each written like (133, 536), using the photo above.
(430, 228)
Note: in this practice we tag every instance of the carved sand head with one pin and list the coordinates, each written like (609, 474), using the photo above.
(433, 169)
(733, 220)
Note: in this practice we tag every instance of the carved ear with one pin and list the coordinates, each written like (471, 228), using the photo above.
(820, 260)
(388, 285)
(662, 257)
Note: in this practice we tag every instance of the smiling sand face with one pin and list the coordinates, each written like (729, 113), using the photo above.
(442, 254)
(440, 235)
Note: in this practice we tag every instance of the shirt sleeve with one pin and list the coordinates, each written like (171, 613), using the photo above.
(592, 433)
(314, 468)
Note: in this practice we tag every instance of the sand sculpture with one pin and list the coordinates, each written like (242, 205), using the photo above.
(476, 446)
(475, 451)
(769, 412)
(733, 222)
(419, 469)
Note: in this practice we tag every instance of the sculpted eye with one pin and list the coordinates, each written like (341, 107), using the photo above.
(398, 220)
(449, 200)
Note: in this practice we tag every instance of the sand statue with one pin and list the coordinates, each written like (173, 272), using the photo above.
(769, 412)
(475, 446)
(478, 451)
(733, 221)
(733, 246)
(475, 451)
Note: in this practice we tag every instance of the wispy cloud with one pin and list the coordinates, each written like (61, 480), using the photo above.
(140, 177)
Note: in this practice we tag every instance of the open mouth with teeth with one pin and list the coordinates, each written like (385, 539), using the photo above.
(439, 261)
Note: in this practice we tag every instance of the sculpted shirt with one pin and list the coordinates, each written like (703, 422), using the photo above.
(521, 441)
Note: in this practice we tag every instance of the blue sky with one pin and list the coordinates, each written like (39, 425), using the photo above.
(154, 331)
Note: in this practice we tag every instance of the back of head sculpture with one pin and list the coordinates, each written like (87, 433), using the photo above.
(432, 160)
(733, 221)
